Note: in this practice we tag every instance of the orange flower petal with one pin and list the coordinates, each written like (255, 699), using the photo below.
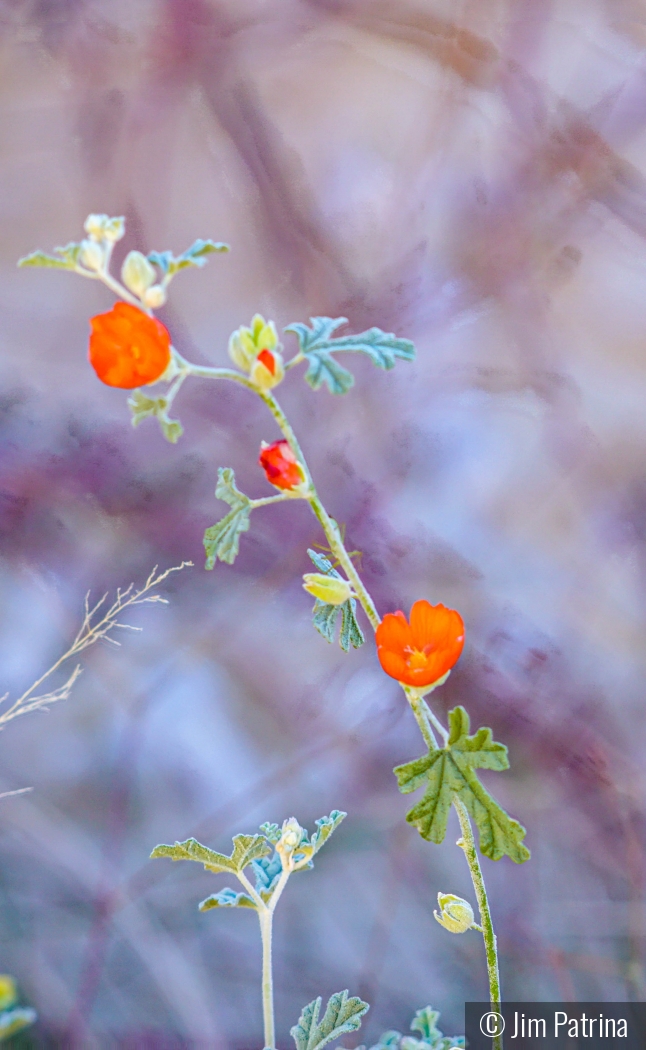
(127, 347)
(420, 654)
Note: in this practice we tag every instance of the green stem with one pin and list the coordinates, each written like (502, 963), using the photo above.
(467, 843)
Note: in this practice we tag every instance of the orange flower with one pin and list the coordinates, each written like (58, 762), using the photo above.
(421, 653)
(128, 348)
(280, 465)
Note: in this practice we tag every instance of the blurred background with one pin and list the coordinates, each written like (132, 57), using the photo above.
(467, 174)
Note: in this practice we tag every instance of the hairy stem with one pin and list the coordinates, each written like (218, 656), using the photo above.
(266, 917)
(467, 843)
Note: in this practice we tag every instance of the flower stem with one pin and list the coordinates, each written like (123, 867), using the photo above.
(266, 917)
(467, 843)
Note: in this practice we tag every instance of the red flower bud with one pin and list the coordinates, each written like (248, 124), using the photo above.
(280, 465)
(419, 654)
(128, 348)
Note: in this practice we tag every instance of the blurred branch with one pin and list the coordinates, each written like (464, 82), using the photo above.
(98, 623)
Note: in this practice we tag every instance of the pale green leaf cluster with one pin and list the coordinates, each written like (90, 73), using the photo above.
(143, 407)
(317, 345)
(196, 255)
(449, 772)
(258, 852)
(222, 540)
(425, 1023)
(342, 1015)
(63, 259)
(325, 615)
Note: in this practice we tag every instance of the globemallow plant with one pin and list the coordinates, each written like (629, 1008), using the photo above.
(131, 349)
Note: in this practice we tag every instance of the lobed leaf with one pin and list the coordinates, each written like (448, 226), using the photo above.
(66, 258)
(227, 898)
(246, 848)
(342, 1015)
(143, 407)
(309, 848)
(222, 540)
(449, 772)
(196, 255)
(317, 344)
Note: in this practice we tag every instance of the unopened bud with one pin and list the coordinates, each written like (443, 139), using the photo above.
(456, 914)
(246, 344)
(154, 297)
(105, 228)
(267, 370)
(290, 838)
(92, 255)
(330, 589)
(94, 226)
(137, 273)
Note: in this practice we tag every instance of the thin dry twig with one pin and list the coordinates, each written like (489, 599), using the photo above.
(97, 624)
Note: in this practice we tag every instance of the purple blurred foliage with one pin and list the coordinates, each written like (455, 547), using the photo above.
(468, 176)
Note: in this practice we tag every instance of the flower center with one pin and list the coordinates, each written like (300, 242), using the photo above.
(417, 659)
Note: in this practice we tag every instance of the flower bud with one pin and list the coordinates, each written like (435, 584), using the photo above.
(92, 255)
(137, 273)
(94, 226)
(104, 228)
(281, 466)
(154, 297)
(267, 370)
(246, 344)
(290, 838)
(329, 589)
(456, 914)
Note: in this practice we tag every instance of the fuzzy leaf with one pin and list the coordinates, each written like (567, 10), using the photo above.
(227, 898)
(342, 1015)
(325, 615)
(196, 255)
(65, 258)
(449, 772)
(246, 848)
(387, 1040)
(13, 1021)
(317, 343)
(308, 849)
(222, 540)
(425, 1022)
(143, 407)
(271, 831)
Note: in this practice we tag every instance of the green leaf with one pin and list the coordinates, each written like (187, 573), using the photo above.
(227, 898)
(449, 772)
(143, 407)
(196, 255)
(309, 848)
(342, 1015)
(222, 540)
(246, 848)
(317, 343)
(325, 615)
(272, 832)
(65, 258)
(425, 1022)
(12, 1021)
